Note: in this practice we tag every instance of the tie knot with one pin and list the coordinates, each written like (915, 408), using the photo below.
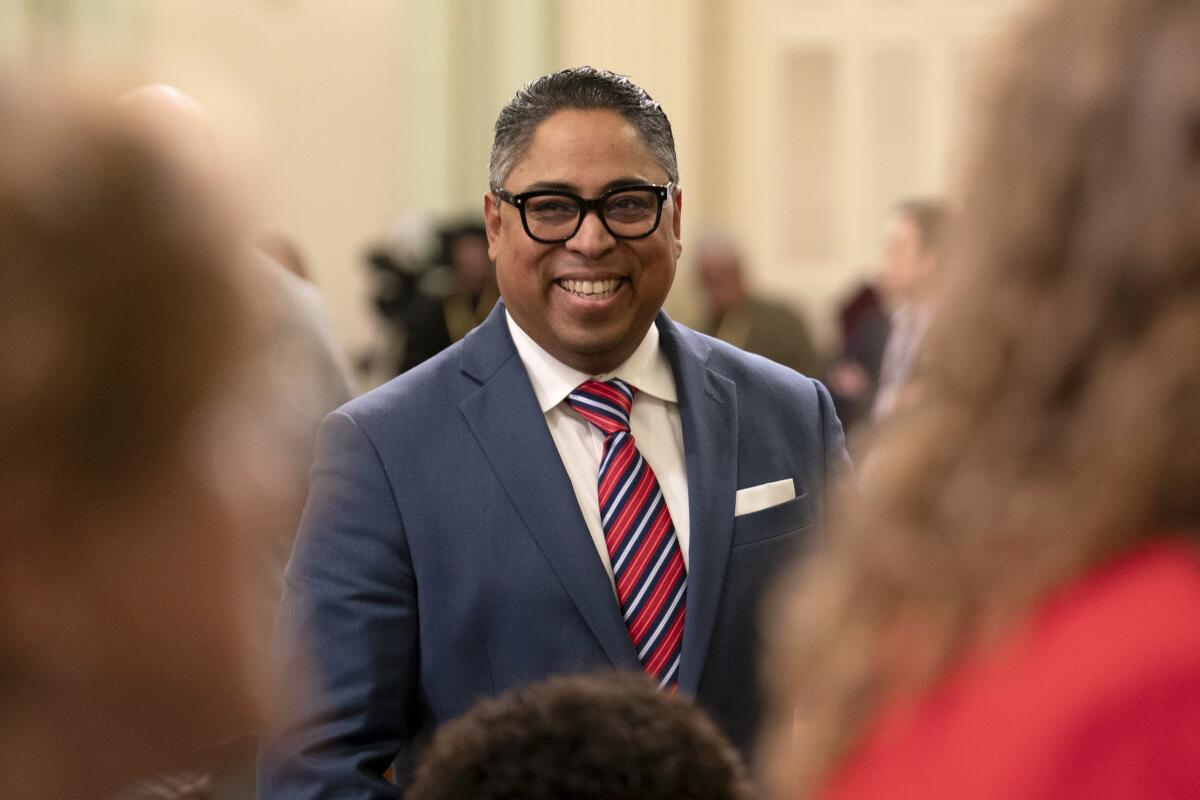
(604, 404)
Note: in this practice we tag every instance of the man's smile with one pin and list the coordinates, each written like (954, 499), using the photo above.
(591, 290)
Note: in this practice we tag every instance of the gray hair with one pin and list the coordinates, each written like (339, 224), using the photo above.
(584, 88)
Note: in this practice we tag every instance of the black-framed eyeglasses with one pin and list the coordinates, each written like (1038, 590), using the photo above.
(551, 216)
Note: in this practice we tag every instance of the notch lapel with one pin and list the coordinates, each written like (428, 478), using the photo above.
(708, 413)
(511, 429)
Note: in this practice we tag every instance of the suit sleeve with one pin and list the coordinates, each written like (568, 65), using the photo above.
(346, 636)
(837, 460)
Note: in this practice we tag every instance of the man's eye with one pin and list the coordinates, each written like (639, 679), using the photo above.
(628, 205)
(552, 206)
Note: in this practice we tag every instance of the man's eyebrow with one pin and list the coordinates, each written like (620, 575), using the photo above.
(627, 181)
(562, 186)
(551, 186)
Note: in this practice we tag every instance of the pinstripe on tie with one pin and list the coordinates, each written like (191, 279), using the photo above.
(646, 560)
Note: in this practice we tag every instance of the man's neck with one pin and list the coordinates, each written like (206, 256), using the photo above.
(590, 364)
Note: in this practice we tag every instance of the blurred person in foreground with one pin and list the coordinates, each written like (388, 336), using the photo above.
(123, 335)
(746, 319)
(579, 483)
(1011, 609)
(913, 241)
(605, 736)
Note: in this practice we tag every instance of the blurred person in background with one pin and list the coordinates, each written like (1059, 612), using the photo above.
(303, 373)
(299, 377)
(602, 736)
(434, 321)
(745, 319)
(1011, 608)
(853, 376)
(125, 497)
(912, 253)
(430, 286)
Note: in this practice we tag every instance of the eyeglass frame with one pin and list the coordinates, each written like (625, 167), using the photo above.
(518, 201)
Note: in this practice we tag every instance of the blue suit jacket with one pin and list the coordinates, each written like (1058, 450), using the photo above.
(442, 555)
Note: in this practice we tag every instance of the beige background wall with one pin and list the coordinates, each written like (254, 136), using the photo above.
(798, 122)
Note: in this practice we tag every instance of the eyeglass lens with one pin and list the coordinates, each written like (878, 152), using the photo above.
(554, 216)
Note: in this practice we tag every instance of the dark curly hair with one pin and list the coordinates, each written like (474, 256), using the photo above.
(610, 735)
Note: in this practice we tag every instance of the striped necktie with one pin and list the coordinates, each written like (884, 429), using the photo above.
(646, 560)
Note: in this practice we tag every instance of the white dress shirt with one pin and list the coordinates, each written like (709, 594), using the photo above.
(899, 356)
(654, 423)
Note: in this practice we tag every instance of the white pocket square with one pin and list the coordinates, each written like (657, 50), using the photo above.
(756, 498)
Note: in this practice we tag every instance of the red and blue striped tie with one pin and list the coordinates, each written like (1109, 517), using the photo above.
(646, 561)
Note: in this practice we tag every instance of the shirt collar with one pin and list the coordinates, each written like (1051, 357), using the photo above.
(647, 369)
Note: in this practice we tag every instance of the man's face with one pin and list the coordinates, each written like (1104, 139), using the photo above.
(587, 153)
(721, 278)
(905, 264)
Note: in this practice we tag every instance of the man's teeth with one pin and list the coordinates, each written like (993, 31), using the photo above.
(591, 288)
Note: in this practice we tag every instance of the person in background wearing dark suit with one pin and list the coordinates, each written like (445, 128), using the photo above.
(744, 319)
(853, 376)
(435, 321)
(579, 483)
(1011, 608)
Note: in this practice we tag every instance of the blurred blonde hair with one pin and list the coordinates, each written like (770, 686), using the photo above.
(1059, 421)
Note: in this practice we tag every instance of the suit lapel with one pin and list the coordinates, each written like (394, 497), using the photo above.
(708, 413)
(511, 429)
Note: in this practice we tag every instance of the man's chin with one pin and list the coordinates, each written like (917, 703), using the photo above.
(593, 354)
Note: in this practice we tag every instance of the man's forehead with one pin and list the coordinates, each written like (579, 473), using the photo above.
(586, 150)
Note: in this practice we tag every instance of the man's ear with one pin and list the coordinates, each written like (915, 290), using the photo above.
(492, 222)
(676, 227)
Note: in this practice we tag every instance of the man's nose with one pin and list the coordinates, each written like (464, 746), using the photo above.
(592, 239)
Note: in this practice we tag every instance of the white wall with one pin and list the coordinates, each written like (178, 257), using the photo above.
(798, 122)
(324, 84)
(314, 89)
(851, 106)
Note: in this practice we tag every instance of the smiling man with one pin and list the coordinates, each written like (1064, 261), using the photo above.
(580, 483)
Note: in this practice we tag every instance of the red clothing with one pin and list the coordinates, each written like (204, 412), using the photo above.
(1097, 697)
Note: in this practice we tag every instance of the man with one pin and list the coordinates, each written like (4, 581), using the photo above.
(457, 537)
(745, 320)
(912, 244)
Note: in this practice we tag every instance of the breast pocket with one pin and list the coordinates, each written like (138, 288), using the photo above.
(772, 523)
